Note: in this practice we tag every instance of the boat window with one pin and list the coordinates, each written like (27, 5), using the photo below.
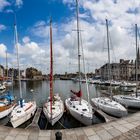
(73, 106)
(18, 111)
(76, 108)
(53, 107)
(84, 109)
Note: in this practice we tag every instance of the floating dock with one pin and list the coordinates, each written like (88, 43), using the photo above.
(34, 123)
(106, 117)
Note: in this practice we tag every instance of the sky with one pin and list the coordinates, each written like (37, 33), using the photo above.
(32, 18)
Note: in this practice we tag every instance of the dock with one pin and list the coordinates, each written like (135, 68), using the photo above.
(34, 123)
(127, 128)
(106, 117)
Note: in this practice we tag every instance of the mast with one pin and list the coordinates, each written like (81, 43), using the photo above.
(78, 43)
(109, 68)
(12, 79)
(51, 68)
(17, 47)
(136, 28)
(6, 67)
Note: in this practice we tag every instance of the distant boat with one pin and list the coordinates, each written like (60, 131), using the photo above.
(127, 84)
(75, 79)
(107, 104)
(128, 100)
(8, 83)
(79, 108)
(2, 87)
(65, 78)
(54, 107)
(23, 111)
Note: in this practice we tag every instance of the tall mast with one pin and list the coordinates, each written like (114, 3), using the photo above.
(78, 43)
(51, 68)
(6, 67)
(109, 68)
(17, 47)
(136, 28)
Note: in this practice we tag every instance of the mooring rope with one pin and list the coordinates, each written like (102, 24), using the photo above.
(61, 124)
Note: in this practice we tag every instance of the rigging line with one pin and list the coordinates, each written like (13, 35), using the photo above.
(87, 86)
(46, 125)
(111, 46)
(133, 5)
(104, 42)
(138, 32)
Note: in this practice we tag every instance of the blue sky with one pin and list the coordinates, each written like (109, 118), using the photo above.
(28, 14)
(33, 29)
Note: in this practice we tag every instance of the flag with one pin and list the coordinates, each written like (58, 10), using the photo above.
(78, 94)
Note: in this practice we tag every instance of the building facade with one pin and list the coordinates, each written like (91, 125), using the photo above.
(119, 71)
(126, 68)
(114, 73)
(1, 71)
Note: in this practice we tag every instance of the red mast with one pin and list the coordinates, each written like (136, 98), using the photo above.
(51, 68)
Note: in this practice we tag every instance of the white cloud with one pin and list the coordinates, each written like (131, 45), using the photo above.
(9, 11)
(3, 4)
(92, 23)
(2, 27)
(19, 3)
(3, 50)
(121, 18)
(42, 29)
(26, 39)
(30, 48)
(30, 53)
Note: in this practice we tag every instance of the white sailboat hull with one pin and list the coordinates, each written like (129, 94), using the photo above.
(20, 115)
(6, 112)
(2, 87)
(127, 84)
(57, 111)
(7, 83)
(77, 111)
(128, 101)
(110, 107)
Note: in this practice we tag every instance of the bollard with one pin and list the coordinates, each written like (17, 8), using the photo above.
(58, 135)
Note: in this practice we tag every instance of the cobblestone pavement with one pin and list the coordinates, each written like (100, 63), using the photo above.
(133, 134)
(127, 128)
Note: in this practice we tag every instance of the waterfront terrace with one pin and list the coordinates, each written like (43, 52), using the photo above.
(121, 129)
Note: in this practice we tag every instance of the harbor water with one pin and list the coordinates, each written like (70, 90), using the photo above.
(39, 91)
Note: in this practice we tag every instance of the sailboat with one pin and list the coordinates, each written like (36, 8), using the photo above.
(7, 103)
(24, 110)
(54, 107)
(79, 108)
(131, 100)
(2, 88)
(107, 104)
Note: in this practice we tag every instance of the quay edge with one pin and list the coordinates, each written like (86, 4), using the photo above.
(111, 130)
